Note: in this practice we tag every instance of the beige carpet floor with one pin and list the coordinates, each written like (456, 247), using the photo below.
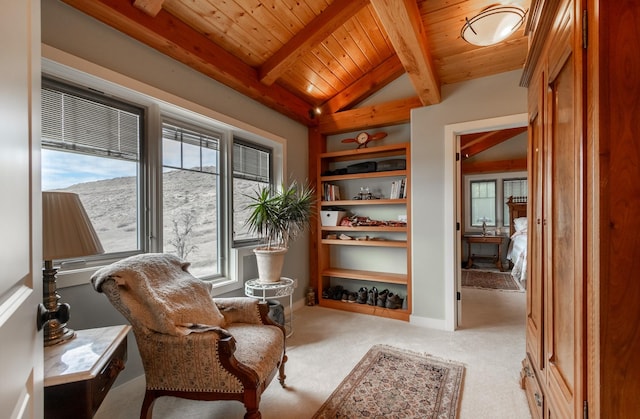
(327, 344)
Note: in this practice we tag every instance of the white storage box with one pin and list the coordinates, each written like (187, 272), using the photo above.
(332, 218)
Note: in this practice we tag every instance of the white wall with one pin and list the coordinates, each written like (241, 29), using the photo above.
(484, 98)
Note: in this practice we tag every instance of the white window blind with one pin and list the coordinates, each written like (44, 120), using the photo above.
(73, 123)
(251, 162)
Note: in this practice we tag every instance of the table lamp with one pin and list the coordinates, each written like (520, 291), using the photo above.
(66, 233)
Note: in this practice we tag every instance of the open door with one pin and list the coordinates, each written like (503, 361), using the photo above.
(20, 214)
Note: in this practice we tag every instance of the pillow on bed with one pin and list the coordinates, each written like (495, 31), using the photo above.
(520, 224)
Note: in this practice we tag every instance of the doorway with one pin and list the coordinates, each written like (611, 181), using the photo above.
(453, 210)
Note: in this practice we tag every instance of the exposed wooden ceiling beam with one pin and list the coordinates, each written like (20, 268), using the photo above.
(472, 144)
(312, 35)
(365, 86)
(174, 38)
(402, 21)
(389, 113)
(150, 7)
(513, 165)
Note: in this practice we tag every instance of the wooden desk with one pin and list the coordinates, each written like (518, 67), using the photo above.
(479, 239)
(78, 373)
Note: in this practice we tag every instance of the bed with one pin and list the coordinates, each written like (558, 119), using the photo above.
(517, 252)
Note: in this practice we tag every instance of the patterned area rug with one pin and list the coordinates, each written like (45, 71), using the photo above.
(488, 279)
(395, 383)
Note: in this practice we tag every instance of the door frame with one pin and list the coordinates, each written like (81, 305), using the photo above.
(452, 210)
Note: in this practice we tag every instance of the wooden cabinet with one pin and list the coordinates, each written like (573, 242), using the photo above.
(79, 373)
(582, 316)
(367, 256)
(553, 371)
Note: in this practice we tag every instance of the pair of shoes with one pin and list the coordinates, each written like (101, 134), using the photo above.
(372, 296)
(382, 298)
(332, 293)
(393, 301)
(362, 296)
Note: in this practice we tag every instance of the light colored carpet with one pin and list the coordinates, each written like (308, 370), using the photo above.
(327, 344)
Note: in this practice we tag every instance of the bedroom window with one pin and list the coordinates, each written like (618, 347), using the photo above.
(91, 145)
(483, 202)
(512, 187)
(252, 168)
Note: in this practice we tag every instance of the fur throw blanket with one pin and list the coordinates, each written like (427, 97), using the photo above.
(162, 295)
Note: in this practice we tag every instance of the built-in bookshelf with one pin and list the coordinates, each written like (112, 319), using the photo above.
(371, 248)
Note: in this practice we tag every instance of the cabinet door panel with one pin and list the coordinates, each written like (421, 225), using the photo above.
(564, 245)
(535, 288)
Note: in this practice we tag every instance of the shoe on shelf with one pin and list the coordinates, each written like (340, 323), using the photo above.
(353, 297)
(345, 296)
(393, 301)
(362, 296)
(327, 293)
(373, 296)
(337, 292)
(382, 298)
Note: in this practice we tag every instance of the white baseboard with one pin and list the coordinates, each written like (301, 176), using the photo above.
(428, 322)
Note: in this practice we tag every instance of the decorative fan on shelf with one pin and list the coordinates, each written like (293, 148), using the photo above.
(364, 138)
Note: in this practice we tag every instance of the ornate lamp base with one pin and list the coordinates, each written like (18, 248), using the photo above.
(53, 315)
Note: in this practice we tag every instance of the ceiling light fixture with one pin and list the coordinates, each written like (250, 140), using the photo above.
(494, 24)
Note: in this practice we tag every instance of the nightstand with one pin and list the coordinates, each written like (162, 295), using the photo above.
(79, 373)
(496, 240)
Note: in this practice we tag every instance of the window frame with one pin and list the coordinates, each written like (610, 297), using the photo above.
(235, 243)
(499, 177)
(159, 104)
(495, 199)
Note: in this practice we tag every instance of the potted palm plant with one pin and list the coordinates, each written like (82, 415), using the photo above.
(277, 217)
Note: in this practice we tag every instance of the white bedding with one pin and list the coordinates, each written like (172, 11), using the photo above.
(517, 254)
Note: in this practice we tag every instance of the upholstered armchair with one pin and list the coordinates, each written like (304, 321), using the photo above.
(191, 345)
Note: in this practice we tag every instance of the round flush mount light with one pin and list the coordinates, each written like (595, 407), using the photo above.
(492, 25)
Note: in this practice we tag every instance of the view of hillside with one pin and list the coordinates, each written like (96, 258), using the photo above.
(189, 203)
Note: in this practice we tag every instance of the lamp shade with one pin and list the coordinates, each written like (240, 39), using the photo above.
(492, 25)
(67, 231)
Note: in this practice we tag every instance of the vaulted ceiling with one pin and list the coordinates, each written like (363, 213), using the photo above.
(315, 60)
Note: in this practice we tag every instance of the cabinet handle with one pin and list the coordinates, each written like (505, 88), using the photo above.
(538, 399)
(538, 221)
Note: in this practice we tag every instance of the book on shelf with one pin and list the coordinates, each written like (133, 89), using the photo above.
(331, 192)
(398, 189)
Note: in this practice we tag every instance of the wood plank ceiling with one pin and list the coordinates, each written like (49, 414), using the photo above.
(301, 57)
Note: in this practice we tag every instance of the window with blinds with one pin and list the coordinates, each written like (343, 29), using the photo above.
(91, 146)
(182, 191)
(251, 172)
(191, 210)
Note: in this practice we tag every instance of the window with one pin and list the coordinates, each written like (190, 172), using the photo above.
(251, 172)
(154, 177)
(91, 146)
(191, 198)
(483, 203)
(486, 197)
(512, 187)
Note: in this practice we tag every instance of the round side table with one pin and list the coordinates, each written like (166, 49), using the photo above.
(284, 288)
